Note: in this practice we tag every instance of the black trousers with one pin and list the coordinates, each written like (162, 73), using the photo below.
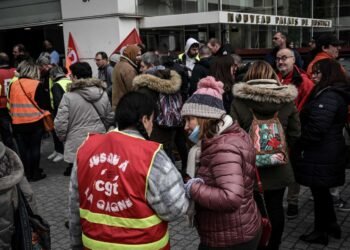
(29, 149)
(274, 206)
(325, 216)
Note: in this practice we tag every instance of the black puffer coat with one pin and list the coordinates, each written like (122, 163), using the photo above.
(320, 154)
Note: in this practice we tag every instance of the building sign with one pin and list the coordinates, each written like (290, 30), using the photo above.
(230, 18)
(260, 19)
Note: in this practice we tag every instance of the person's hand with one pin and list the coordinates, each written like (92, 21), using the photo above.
(189, 183)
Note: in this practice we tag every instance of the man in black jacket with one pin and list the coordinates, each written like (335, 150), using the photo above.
(201, 68)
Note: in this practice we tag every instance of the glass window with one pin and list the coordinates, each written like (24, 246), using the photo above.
(169, 7)
(296, 8)
(249, 6)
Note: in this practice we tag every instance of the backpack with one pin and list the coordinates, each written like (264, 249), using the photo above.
(269, 142)
(169, 106)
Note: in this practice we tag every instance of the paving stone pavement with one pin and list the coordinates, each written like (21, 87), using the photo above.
(52, 199)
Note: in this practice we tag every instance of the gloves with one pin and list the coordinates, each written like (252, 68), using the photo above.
(189, 183)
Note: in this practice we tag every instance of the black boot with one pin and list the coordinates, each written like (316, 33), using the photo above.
(315, 237)
(68, 171)
(334, 231)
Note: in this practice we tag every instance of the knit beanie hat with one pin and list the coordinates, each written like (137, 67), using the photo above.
(207, 101)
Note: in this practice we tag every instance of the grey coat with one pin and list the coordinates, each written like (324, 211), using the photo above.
(76, 116)
(11, 174)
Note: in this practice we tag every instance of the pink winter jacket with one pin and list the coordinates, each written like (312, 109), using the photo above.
(226, 213)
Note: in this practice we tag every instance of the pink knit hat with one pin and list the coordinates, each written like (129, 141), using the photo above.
(206, 101)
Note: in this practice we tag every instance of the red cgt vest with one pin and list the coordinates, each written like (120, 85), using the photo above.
(5, 79)
(113, 172)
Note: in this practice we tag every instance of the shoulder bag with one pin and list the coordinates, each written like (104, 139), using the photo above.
(31, 230)
(47, 118)
(103, 120)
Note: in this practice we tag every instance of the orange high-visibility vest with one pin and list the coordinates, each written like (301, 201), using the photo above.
(21, 109)
(112, 174)
(5, 79)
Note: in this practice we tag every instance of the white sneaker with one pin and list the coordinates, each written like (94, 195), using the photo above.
(58, 157)
(53, 155)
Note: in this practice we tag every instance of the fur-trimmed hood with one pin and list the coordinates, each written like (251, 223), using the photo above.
(11, 169)
(265, 90)
(91, 89)
(166, 86)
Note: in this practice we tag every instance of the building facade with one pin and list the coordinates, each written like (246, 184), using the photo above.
(166, 24)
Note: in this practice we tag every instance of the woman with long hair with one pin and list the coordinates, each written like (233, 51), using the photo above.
(321, 151)
(262, 96)
(223, 68)
(222, 161)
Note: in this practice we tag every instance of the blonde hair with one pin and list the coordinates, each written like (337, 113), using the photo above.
(28, 70)
(260, 70)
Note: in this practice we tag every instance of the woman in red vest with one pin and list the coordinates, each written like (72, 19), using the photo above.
(124, 188)
(26, 98)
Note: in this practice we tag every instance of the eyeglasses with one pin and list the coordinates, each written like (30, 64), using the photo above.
(275, 38)
(282, 58)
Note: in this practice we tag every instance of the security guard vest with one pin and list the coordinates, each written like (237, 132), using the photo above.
(21, 109)
(112, 174)
(63, 83)
(5, 79)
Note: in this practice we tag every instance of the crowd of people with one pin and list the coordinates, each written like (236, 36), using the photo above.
(123, 132)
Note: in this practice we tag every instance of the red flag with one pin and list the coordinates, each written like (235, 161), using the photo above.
(132, 38)
(72, 53)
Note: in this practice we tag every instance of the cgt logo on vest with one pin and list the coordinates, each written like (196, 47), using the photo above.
(107, 183)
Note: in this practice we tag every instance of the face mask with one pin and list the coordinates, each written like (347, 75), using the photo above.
(194, 136)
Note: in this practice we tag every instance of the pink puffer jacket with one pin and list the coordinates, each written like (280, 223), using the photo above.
(226, 213)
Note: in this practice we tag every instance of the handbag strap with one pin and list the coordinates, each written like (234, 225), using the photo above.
(23, 199)
(34, 104)
(93, 105)
(261, 190)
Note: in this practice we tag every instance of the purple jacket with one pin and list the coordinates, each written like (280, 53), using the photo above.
(226, 213)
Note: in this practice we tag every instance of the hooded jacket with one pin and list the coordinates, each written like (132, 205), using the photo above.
(76, 116)
(152, 85)
(185, 59)
(11, 174)
(123, 74)
(321, 153)
(226, 213)
(265, 97)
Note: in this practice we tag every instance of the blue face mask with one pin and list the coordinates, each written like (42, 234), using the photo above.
(194, 136)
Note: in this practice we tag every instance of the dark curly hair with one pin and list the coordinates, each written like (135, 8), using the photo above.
(130, 110)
